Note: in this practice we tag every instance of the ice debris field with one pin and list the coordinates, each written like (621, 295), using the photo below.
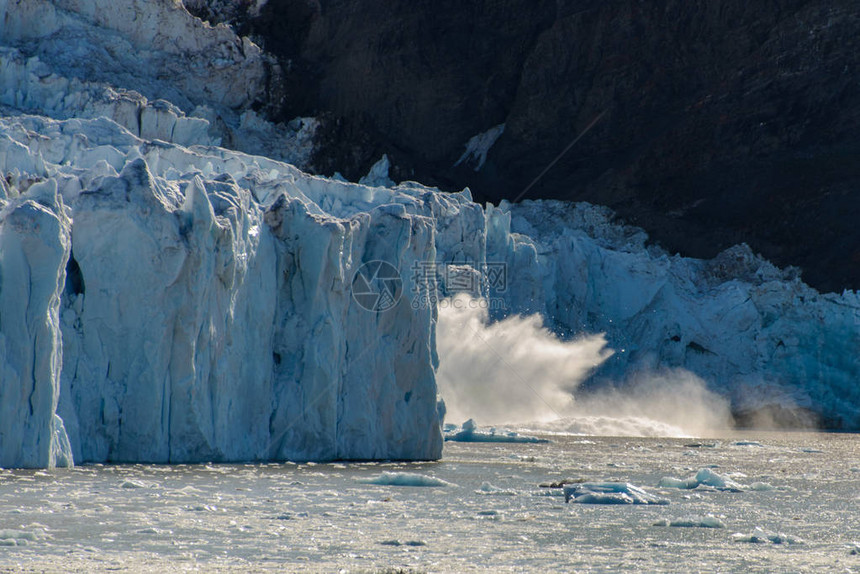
(485, 507)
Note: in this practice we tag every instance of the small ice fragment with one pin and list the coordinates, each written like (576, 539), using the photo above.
(709, 521)
(404, 479)
(704, 477)
(156, 531)
(760, 536)
(562, 483)
(761, 486)
(470, 432)
(21, 537)
(609, 493)
(708, 477)
(747, 443)
(395, 542)
(603, 498)
(490, 490)
(682, 483)
(490, 513)
(751, 538)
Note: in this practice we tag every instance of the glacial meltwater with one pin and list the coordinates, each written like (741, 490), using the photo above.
(746, 502)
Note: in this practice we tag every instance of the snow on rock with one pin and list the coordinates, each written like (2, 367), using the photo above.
(479, 146)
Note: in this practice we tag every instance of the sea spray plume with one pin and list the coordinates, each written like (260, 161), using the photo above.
(511, 371)
(661, 399)
(517, 371)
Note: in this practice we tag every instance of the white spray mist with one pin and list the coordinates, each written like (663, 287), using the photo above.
(511, 371)
(517, 372)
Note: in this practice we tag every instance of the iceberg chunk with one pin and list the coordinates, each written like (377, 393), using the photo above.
(405, 479)
(610, 493)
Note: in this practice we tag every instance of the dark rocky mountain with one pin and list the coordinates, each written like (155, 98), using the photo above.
(720, 121)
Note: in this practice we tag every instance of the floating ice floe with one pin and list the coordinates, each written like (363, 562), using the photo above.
(488, 489)
(709, 521)
(405, 479)
(12, 537)
(470, 432)
(761, 536)
(609, 493)
(407, 543)
(707, 477)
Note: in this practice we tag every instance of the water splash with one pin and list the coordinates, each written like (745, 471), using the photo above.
(517, 372)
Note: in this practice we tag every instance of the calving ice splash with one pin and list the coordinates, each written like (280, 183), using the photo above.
(166, 299)
(517, 372)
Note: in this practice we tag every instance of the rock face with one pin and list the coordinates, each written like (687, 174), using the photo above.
(723, 122)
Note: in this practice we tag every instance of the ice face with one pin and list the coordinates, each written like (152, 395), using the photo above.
(195, 322)
(207, 311)
(34, 235)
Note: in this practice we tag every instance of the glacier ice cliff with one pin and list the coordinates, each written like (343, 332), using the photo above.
(165, 299)
(188, 305)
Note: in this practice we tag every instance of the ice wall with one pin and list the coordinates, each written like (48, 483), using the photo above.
(204, 305)
(149, 66)
(203, 302)
(34, 245)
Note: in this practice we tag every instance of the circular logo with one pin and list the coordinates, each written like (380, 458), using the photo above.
(377, 286)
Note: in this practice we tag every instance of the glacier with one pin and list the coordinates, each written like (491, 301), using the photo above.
(174, 288)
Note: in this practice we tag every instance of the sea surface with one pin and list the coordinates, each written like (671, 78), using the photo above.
(802, 515)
